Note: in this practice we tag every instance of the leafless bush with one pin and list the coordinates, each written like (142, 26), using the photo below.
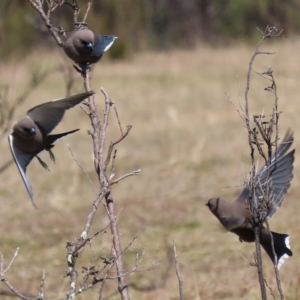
(263, 137)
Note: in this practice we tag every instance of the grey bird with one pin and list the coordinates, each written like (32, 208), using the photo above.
(84, 47)
(236, 216)
(31, 136)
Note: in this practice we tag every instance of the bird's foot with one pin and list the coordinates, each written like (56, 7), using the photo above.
(82, 68)
(44, 165)
(51, 155)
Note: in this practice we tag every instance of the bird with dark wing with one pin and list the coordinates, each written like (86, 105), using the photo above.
(31, 136)
(84, 47)
(236, 216)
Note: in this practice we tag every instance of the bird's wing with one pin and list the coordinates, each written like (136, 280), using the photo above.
(22, 160)
(103, 43)
(49, 114)
(276, 177)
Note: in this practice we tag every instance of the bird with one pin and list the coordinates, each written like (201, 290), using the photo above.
(236, 216)
(31, 136)
(84, 47)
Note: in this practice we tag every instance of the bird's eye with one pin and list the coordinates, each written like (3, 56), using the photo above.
(88, 45)
(30, 130)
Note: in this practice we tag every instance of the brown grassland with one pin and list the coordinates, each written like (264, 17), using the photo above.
(190, 144)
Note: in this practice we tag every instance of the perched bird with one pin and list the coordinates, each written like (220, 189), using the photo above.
(85, 47)
(31, 135)
(236, 216)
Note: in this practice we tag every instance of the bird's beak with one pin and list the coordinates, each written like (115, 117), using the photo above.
(206, 204)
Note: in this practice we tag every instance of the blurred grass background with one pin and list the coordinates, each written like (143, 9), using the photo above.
(190, 144)
(150, 24)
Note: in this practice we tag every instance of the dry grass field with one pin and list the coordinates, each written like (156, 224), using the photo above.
(190, 144)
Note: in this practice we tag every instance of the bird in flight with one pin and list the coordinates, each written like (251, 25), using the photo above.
(236, 216)
(31, 135)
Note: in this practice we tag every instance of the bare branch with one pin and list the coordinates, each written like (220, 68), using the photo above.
(133, 173)
(91, 214)
(6, 281)
(178, 272)
(260, 132)
(89, 5)
(119, 122)
(277, 275)
(112, 145)
(10, 263)
(122, 286)
(271, 292)
(94, 121)
(42, 285)
(46, 17)
(99, 138)
(109, 263)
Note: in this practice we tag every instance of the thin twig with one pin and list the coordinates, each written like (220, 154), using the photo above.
(6, 281)
(82, 169)
(133, 173)
(53, 31)
(122, 286)
(119, 121)
(178, 272)
(42, 286)
(92, 212)
(113, 144)
(112, 169)
(11, 262)
(110, 263)
(89, 5)
(277, 275)
(271, 292)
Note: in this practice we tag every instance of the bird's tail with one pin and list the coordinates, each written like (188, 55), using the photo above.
(53, 138)
(281, 247)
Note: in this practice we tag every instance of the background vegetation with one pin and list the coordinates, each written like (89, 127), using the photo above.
(186, 137)
(155, 24)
